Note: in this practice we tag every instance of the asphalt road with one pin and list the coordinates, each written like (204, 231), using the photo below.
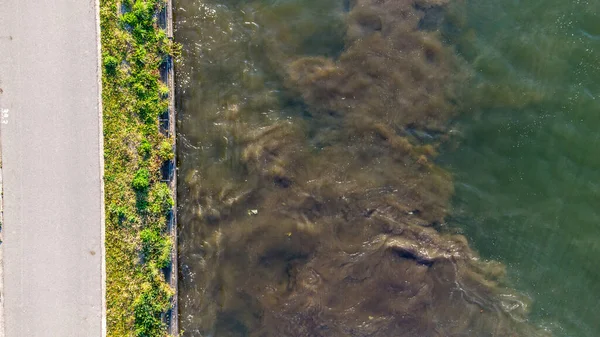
(50, 133)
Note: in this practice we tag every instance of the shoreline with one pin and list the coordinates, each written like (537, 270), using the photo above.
(172, 316)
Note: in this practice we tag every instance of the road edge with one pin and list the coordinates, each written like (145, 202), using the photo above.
(101, 162)
(2, 324)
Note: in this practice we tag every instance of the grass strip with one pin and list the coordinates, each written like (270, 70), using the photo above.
(138, 246)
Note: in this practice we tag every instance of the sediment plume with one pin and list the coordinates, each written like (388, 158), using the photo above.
(337, 227)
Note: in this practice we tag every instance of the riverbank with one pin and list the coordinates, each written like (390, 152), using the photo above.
(139, 163)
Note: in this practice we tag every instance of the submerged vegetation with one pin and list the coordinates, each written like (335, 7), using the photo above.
(138, 245)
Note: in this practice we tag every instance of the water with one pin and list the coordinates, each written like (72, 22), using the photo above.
(526, 176)
(313, 201)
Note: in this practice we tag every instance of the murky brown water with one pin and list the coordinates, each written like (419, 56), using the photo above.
(311, 204)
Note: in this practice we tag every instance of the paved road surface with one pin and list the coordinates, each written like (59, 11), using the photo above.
(50, 137)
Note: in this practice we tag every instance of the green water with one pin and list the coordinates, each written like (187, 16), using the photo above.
(527, 176)
(301, 146)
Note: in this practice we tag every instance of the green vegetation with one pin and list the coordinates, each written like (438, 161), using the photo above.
(137, 202)
(166, 150)
(141, 180)
(161, 200)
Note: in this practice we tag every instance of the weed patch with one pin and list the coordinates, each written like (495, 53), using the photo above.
(137, 203)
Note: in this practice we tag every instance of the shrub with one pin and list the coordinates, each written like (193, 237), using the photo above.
(163, 90)
(140, 20)
(140, 55)
(110, 64)
(145, 148)
(156, 247)
(122, 214)
(165, 152)
(150, 109)
(148, 307)
(161, 200)
(141, 180)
